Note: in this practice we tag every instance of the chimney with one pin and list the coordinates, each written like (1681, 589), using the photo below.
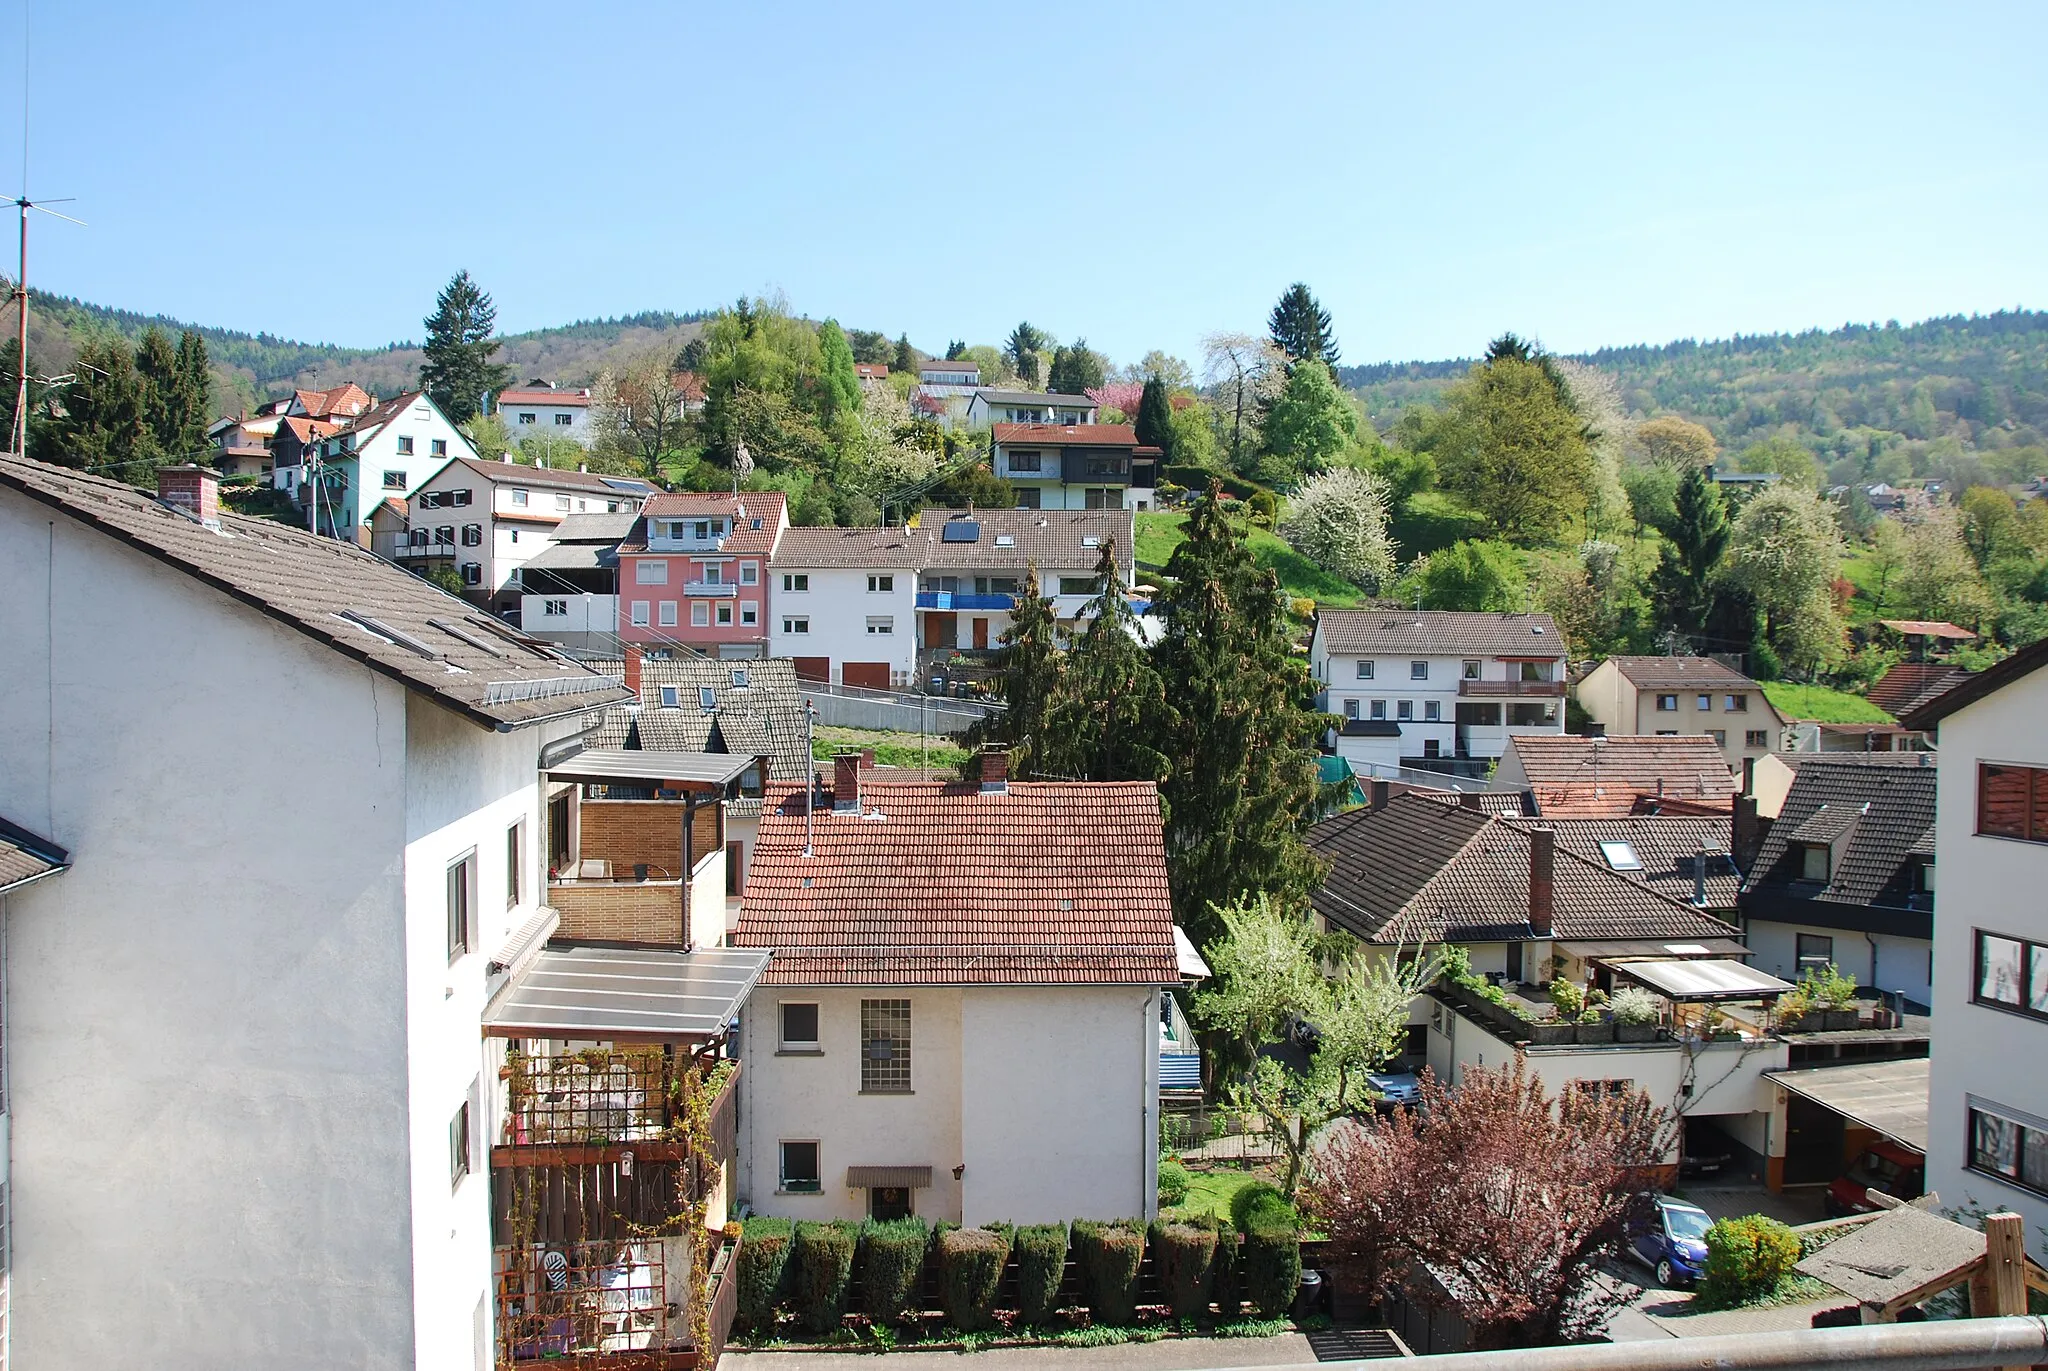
(633, 668)
(846, 769)
(995, 770)
(1542, 883)
(1699, 877)
(1468, 799)
(193, 489)
(1596, 730)
(1381, 793)
(1749, 775)
(1746, 833)
(506, 458)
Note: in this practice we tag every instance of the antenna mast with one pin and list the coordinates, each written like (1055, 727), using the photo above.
(19, 437)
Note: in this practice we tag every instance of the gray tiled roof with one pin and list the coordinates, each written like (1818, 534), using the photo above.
(1048, 539)
(1035, 397)
(1882, 803)
(1681, 673)
(339, 595)
(765, 717)
(1668, 847)
(1420, 871)
(1438, 633)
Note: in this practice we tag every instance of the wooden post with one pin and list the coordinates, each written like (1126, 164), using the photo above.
(2005, 1266)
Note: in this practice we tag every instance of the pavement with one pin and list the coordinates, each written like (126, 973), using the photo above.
(1172, 1354)
(1654, 1313)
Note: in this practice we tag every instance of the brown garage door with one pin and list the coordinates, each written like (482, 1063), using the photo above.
(812, 668)
(872, 675)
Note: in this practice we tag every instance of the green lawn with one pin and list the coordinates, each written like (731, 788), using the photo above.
(1160, 533)
(891, 749)
(1818, 702)
(1430, 522)
(1209, 1192)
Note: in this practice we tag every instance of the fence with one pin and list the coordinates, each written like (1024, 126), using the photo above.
(611, 1305)
(1201, 1133)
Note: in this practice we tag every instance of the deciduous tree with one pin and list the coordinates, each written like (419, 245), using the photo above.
(1309, 426)
(1938, 578)
(1669, 441)
(1785, 551)
(458, 372)
(1476, 575)
(1244, 374)
(637, 420)
(1513, 449)
(1338, 520)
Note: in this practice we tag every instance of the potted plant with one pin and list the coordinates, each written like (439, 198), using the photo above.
(1717, 1028)
(1834, 991)
(1635, 1013)
(1593, 1027)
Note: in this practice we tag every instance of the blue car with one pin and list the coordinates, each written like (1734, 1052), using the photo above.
(1670, 1237)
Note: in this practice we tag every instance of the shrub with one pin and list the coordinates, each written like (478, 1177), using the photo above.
(1184, 1256)
(1829, 987)
(1109, 1255)
(1272, 1252)
(1257, 1194)
(821, 1268)
(892, 1267)
(764, 1253)
(1264, 508)
(1223, 1281)
(1746, 1258)
(1569, 997)
(1634, 1005)
(970, 1268)
(1041, 1266)
(1173, 1180)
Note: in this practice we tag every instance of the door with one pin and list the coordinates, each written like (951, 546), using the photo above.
(941, 630)
(981, 634)
(887, 1202)
(817, 669)
(871, 675)
(1813, 1142)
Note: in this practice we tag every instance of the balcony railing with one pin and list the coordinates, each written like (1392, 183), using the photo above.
(711, 590)
(624, 910)
(953, 599)
(1539, 690)
(605, 1098)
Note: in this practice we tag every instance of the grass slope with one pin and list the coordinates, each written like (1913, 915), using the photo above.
(1209, 1192)
(1160, 533)
(1819, 702)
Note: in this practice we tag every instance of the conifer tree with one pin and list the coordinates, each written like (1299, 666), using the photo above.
(841, 383)
(1301, 327)
(1682, 587)
(1240, 735)
(1075, 370)
(156, 369)
(1030, 676)
(1155, 417)
(906, 356)
(458, 371)
(1106, 723)
(195, 394)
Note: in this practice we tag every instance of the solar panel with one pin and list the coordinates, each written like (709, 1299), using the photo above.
(619, 483)
(961, 531)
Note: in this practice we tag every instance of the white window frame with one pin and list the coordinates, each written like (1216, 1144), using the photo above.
(1418, 671)
(1364, 669)
(640, 612)
(650, 571)
(700, 614)
(750, 612)
(722, 614)
(881, 584)
(750, 573)
(798, 625)
(668, 613)
(881, 625)
(805, 1045)
(796, 582)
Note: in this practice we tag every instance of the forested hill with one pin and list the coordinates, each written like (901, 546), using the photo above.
(1973, 382)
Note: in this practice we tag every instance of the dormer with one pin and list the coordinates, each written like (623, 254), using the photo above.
(689, 533)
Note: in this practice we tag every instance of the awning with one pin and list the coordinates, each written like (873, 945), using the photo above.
(1633, 949)
(1887, 1097)
(888, 1177)
(1192, 967)
(1710, 979)
(626, 995)
(671, 770)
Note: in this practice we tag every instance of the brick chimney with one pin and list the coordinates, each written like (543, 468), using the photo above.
(193, 489)
(1381, 792)
(1468, 799)
(846, 769)
(995, 770)
(1542, 880)
(633, 667)
(1747, 832)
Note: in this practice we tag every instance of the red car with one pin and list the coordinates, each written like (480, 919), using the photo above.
(1896, 1171)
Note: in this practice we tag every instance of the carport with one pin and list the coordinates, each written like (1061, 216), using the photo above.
(1823, 1117)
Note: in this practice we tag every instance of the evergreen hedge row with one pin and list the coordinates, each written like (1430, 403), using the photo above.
(764, 1253)
(970, 1262)
(1109, 1255)
(1041, 1266)
(892, 1267)
(1184, 1256)
(822, 1268)
(1272, 1248)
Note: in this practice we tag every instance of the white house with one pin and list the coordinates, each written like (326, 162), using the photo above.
(990, 407)
(1076, 466)
(1436, 689)
(253, 1044)
(542, 407)
(488, 519)
(945, 390)
(1988, 1102)
(975, 1037)
(385, 453)
(569, 590)
(846, 604)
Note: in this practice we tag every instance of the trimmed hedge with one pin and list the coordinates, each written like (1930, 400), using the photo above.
(1223, 1275)
(1109, 1255)
(1257, 1193)
(1272, 1251)
(820, 1269)
(970, 1269)
(1184, 1256)
(1041, 1266)
(764, 1253)
(1746, 1257)
(892, 1266)
(1173, 1180)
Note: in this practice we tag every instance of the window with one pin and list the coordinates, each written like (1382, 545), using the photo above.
(472, 535)
(1432, 748)
(740, 678)
(564, 420)
(1351, 709)
(881, 585)
(1621, 856)
(562, 504)
(700, 614)
(707, 699)
(1755, 737)
(799, 1027)
(1667, 704)
(394, 480)
(881, 625)
(1923, 878)
(2012, 802)
(1364, 669)
(461, 902)
(1667, 733)
(438, 447)
(713, 574)
(515, 856)
(1405, 709)
(1024, 461)
(1379, 709)
(1535, 671)
(554, 609)
(2008, 1149)
(650, 571)
(1735, 704)
(1471, 671)
(1027, 497)
(1432, 710)
(796, 582)
(668, 613)
(671, 697)
(1418, 671)
(1532, 715)
(457, 498)
(724, 613)
(2012, 973)
(519, 499)
(750, 573)
(800, 1168)
(527, 416)
(1077, 585)
(795, 625)
(1811, 951)
(1814, 861)
(445, 535)
(1719, 735)
(458, 1146)
(432, 499)
(404, 446)
(639, 613)
(1706, 704)
(1477, 715)
(885, 1047)
(750, 612)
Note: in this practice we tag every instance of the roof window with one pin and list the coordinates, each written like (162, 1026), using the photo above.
(1006, 540)
(707, 699)
(671, 697)
(1091, 541)
(739, 678)
(1621, 856)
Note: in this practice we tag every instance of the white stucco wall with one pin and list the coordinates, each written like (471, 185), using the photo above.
(838, 605)
(1901, 963)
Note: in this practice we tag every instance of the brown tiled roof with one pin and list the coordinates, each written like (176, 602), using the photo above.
(851, 547)
(1909, 685)
(25, 857)
(1581, 778)
(1928, 628)
(338, 594)
(1416, 871)
(745, 541)
(590, 482)
(1051, 539)
(1516, 802)
(1681, 673)
(1669, 848)
(690, 386)
(347, 399)
(1067, 435)
(307, 430)
(871, 370)
(1438, 633)
(1880, 806)
(934, 883)
(578, 398)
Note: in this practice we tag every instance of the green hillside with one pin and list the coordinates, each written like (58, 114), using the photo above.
(1160, 533)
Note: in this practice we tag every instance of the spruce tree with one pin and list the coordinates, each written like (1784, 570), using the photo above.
(1301, 327)
(1240, 735)
(194, 407)
(1155, 417)
(1029, 678)
(906, 356)
(101, 426)
(1698, 534)
(458, 371)
(1075, 370)
(1022, 348)
(1107, 721)
(841, 383)
(156, 371)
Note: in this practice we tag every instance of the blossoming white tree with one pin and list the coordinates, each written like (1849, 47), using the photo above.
(1338, 520)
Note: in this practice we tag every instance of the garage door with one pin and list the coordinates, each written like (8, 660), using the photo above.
(812, 668)
(872, 675)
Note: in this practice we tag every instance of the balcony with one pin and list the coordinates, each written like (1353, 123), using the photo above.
(1078, 470)
(1499, 690)
(958, 600)
(711, 590)
(575, 1108)
(597, 906)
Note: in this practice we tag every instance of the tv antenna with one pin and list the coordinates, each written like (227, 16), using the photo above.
(22, 202)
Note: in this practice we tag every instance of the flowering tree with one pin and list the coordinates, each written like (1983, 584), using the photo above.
(1122, 396)
(1494, 1199)
(1338, 520)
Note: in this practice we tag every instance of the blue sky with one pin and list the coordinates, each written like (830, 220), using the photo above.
(1139, 175)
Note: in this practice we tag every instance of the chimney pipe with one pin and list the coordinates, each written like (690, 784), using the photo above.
(1381, 792)
(846, 769)
(1596, 730)
(1699, 877)
(192, 489)
(1542, 880)
(1749, 775)
(633, 667)
(1746, 833)
(995, 770)
(1468, 799)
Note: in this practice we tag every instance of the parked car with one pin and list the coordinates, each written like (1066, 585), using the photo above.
(1706, 1151)
(1670, 1237)
(1392, 1088)
(1896, 1171)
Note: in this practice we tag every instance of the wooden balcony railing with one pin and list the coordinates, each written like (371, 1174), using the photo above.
(1553, 690)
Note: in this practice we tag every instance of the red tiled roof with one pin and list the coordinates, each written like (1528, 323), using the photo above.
(935, 883)
(870, 369)
(1913, 683)
(1068, 435)
(1928, 628)
(690, 386)
(347, 400)
(307, 430)
(1577, 777)
(569, 399)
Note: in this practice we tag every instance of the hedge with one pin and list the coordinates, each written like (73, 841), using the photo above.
(1173, 1180)
(1109, 1255)
(1041, 1266)
(821, 1268)
(892, 1266)
(1184, 1256)
(1747, 1257)
(1272, 1250)
(1223, 1276)
(970, 1269)
(764, 1252)
(1257, 1193)
(1197, 479)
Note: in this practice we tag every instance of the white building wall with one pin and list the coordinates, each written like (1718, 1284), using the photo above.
(560, 421)
(1392, 683)
(838, 606)
(207, 1027)
(1993, 884)
(585, 621)
(1901, 964)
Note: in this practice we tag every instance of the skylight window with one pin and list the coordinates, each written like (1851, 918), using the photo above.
(707, 699)
(739, 678)
(1006, 540)
(1091, 541)
(1621, 856)
(671, 697)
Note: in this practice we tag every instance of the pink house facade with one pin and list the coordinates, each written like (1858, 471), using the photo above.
(697, 572)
